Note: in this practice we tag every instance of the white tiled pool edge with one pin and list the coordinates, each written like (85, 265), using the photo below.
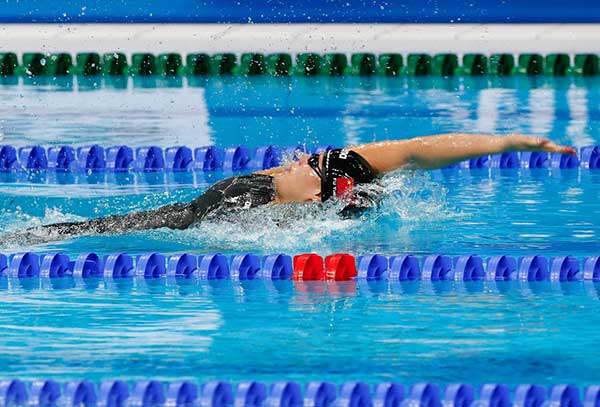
(295, 38)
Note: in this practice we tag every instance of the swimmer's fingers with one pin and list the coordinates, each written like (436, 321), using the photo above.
(527, 143)
(547, 145)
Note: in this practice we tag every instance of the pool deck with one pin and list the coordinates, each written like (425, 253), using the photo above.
(296, 38)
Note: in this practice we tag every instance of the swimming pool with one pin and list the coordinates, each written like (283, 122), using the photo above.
(502, 332)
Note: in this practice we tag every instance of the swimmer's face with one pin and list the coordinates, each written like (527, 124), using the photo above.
(299, 183)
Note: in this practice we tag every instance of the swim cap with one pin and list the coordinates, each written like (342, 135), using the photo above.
(341, 170)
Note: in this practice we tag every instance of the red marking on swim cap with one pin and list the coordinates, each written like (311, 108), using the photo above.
(344, 187)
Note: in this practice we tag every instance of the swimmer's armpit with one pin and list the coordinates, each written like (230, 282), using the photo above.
(439, 151)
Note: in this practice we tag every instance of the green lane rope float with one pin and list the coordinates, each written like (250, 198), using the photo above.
(530, 65)
(8, 63)
(308, 64)
(418, 65)
(88, 64)
(557, 65)
(444, 65)
(198, 65)
(362, 65)
(251, 65)
(114, 64)
(303, 64)
(390, 64)
(170, 65)
(501, 64)
(223, 64)
(143, 64)
(334, 64)
(585, 65)
(279, 64)
(474, 65)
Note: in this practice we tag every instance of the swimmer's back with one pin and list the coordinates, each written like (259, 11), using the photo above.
(240, 192)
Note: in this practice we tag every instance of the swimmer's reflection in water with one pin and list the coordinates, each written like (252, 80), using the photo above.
(313, 178)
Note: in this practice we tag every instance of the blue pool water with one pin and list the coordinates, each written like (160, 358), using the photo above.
(538, 333)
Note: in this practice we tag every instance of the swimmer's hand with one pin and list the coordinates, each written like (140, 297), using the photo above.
(521, 142)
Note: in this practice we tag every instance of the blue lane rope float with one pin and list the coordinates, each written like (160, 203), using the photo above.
(147, 393)
(423, 394)
(245, 267)
(404, 268)
(459, 395)
(8, 158)
(112, 393)
(182, 265)
(119, 158)
(208, 158)
(372, 267)
(505, 160)
(122, 158)
(388, 394)
(90, 158)
(533, 268)
(251, 394)
(319, 394)
(236, 158)
(468, 268)
(302, 267)
(437, 267)
(285, 394)
(181, 393)
(526, 395)
(62, 159)
(501, 268)
(214, 393)
(497, 395)
(43, 393)
(79, 392)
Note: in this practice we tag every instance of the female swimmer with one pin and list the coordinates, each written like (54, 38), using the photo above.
(313, 178)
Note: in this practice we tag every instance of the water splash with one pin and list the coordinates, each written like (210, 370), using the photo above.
(20, 229)
(407, 198)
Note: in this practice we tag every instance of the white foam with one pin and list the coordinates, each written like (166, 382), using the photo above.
(407, 198)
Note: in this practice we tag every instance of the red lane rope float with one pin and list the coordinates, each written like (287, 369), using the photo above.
(308, 267)
(340, 267)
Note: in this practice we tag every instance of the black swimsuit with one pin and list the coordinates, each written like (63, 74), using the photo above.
(231, 194)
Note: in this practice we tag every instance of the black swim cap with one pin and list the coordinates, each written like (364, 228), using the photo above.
(341, 170)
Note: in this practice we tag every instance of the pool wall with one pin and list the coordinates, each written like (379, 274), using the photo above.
(296, 11)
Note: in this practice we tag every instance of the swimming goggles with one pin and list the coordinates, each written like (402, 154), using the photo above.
(313, 162)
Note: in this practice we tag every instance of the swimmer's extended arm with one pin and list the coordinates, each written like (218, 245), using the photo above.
(174, 216)
(439, 151)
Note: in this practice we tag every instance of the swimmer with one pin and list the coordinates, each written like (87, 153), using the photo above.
(312, 178)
